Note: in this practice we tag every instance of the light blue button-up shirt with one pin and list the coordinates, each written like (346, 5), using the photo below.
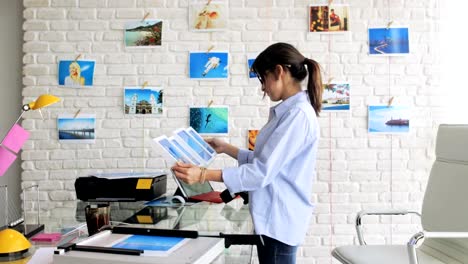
(279, 173)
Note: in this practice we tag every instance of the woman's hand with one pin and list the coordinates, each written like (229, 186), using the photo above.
(218, 145)
(223, 147)
(188, 173)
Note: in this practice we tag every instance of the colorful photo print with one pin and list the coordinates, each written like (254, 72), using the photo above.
(389, 119)
(211, 65)
(252, 137)
(210, 120)
(389, 41)
(147, 101)
(324, 18)
(80, 129)
(250, 60)
(146, 33)
(335, 97)
(76, 74)
(208, 17)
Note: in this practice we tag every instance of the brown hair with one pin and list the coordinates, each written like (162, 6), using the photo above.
(288, 56)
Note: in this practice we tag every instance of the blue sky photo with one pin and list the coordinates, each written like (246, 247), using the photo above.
(388, 41)
(200, 65)
(76, 123)
(87, 71)
(380, 115)
(143, 94)
(76, 128)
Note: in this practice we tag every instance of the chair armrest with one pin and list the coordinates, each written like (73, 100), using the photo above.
(413, 242)
(363, 213)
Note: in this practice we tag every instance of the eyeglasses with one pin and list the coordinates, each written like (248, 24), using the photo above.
(260, 78)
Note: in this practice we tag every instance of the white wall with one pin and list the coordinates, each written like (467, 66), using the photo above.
(10, 99)
(356, 170)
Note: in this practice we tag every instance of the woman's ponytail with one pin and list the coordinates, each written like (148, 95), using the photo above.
(314, 85)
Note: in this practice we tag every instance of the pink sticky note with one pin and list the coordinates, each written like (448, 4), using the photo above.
(15, 138)
(47, 237)
(6, 159)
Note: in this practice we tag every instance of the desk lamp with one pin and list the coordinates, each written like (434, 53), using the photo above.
(13, 243)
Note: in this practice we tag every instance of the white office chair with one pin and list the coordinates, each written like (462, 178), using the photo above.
(444, 215)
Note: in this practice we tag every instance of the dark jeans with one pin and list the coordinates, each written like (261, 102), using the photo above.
(276, 252)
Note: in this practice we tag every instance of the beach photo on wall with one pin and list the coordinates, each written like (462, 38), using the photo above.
(252, 138)
(146, 33)
(143, 101)
(79, 129)
(212, 120)
(325, 18)
(336, 97)
(388, 41)
(76, 73)
(209, 65)
(389, 119)
(208, 15)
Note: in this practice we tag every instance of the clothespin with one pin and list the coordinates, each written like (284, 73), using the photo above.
(390, 102)
(144, 85)
(210, 103)
(389, 24)
(209, 49)
(208, 3)
(146, 16)
(77, 57)
(77, 113)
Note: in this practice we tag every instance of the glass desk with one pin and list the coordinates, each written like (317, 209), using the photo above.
(208, 219)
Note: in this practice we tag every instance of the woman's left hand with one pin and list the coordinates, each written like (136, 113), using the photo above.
(188, 173)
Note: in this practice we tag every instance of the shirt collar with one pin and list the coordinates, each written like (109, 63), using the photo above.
(285, 105)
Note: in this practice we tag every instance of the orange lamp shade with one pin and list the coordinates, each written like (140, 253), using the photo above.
(43, 101)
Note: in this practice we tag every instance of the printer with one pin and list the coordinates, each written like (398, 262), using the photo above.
(123, 187)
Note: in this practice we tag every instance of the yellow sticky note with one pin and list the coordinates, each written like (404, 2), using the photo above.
(144, 219)
(144, 184)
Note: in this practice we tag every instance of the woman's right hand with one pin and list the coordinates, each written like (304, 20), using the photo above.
(219, 145)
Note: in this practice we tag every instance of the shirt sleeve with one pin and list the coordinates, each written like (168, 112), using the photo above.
(282, 146)
(244, 156)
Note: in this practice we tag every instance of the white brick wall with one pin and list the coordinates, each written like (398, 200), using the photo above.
(365, 171)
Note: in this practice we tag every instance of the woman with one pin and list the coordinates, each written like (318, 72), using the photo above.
(75, 78)
(279, 173)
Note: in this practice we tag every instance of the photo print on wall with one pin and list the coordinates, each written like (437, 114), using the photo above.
(80, 129)
(250, 60)
(76, 73)
(209, 65)
(143, 101)
(252, 138)
(213, 120)
(388, 119)
(143, 34)
(328, 18)
(336, 97)
(208, 15)
(389, 41)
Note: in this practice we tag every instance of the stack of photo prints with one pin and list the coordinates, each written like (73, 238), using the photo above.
(187, 146)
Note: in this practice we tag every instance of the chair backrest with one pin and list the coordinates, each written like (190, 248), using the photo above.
(445, 205)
